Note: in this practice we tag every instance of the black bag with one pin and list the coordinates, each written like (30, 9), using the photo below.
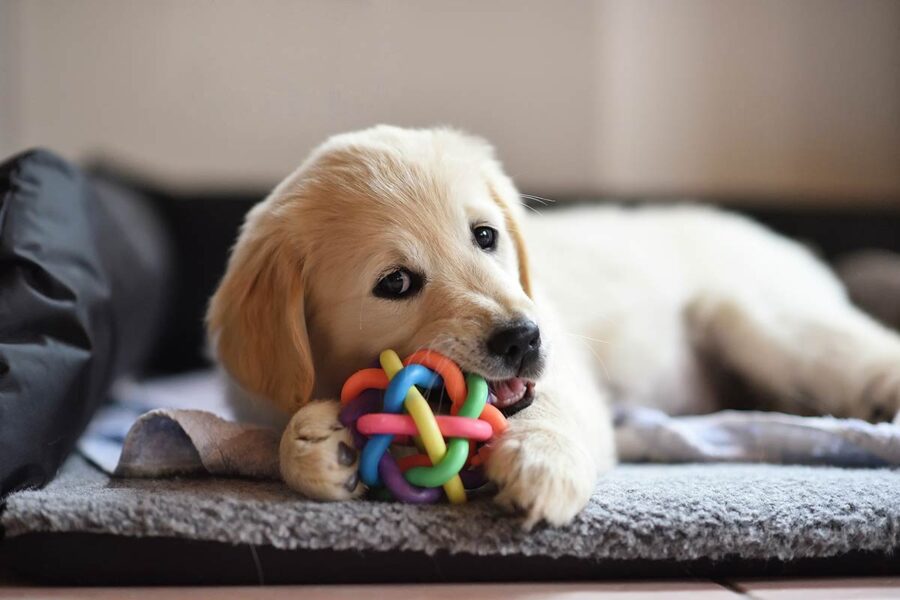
(83, 283)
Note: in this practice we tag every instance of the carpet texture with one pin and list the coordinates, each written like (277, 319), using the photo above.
(680, 512)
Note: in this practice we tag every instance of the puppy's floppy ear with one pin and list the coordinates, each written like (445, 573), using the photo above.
(256, 319)
(505, 195)
(515, 230)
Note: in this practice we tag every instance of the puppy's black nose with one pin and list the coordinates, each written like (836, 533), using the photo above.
(517, 344)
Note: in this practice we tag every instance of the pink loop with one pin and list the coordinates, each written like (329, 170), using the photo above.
(451, 427)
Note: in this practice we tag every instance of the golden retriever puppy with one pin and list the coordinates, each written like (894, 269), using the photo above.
(409, 239)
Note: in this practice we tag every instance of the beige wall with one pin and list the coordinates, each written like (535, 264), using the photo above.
(767, 96)
(630, 96)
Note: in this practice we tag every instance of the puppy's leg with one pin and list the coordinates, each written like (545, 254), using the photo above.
(825, 357)
(548, 461)
(317, 457)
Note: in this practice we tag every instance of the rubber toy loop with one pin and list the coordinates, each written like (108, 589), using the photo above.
(453, 446)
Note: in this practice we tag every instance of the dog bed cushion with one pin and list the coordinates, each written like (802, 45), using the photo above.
(653, 513)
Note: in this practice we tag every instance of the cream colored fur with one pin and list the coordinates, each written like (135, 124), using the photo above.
(627, 301)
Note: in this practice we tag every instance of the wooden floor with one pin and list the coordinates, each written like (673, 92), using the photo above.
(807, 589)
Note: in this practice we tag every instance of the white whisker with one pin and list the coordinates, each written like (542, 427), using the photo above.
(599, 360)
(587, 337)
(540, 199)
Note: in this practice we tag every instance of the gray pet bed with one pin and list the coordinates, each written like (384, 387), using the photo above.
(668, 519)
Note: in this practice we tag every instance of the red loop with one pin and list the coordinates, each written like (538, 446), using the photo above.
(414, 460)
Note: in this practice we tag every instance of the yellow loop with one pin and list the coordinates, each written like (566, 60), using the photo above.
(418, 409)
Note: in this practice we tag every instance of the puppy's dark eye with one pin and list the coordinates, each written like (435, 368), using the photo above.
(398, 284)
(485, 237)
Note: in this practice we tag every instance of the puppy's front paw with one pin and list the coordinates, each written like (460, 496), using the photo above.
(317, 457)
(880, 398)
(541, 473)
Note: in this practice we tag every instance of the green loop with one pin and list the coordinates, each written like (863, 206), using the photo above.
(476, 398)
(457, 448)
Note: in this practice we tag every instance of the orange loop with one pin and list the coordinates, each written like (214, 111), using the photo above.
(367, 379)
(492, 415)
(454, 382)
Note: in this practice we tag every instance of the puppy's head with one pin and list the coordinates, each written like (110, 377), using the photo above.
(386, 238)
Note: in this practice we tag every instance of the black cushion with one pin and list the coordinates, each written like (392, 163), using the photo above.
(83, 267)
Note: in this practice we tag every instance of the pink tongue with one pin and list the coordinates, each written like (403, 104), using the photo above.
(509, 391)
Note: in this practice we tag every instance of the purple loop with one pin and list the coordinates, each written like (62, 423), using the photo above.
(402, 490)
(367, 402)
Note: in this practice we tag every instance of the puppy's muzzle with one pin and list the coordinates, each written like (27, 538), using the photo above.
(516, 344)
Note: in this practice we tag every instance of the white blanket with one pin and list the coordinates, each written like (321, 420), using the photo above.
(181, 426)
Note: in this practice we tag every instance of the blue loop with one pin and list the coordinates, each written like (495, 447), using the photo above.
(371, 455)
(393, 403)
(405, 378)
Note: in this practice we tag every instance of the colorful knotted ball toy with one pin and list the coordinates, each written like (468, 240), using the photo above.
(384, 409)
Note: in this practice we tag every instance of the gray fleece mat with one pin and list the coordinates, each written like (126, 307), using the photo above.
(681, 512)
